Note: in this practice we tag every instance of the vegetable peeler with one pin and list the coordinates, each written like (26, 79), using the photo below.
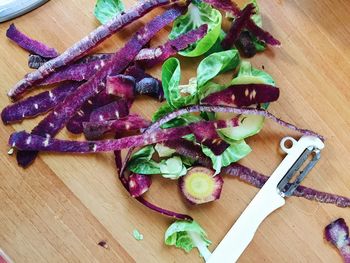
(302, 155)
(13, 8)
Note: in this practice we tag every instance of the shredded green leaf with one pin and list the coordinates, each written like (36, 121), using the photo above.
(137, 235)
(105, 10)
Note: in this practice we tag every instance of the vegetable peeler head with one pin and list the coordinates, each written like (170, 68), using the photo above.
(300, 168)
(10, 9)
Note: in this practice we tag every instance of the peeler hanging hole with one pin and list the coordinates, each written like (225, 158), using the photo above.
(287, 143)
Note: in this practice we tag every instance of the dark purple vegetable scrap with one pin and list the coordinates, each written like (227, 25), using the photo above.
(114, 110)
(243, 95)
(230, 6)
(237, 26)
(92, 40)
(205, 133)
(122, 86)
(38, 104)
(30, 44)
(76, 72)
(59, 117)
(139, 184)
(95, 130)
(75, 124)
(337, 233)
(245, 44)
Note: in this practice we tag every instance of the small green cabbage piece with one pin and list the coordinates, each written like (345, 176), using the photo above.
(199, 13)
(141, 162)
(172, 168)
(164, 151)
(105, 10)
(188, 235)
(236, 151)
(137, 235)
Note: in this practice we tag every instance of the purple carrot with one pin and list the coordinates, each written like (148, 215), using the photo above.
(237, 26)
(243, 95)
(82, 47)
(95, 130)
(59, 117)
(139, 184)
(114, 110)
(76, 72)
(121, 85)
(245, 45)
(206, 134)
(32, 142)
(337, 233)
(151, 57)
(247, 111)
(31, 45)
(75, 124)
(38, 104)
(188, 149)
(230, 6)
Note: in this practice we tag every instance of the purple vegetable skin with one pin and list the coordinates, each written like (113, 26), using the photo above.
(237, 26)
(75, 124)
(243, 95)
(77, 72)
(32, 142)
(29, 44)
(56, 120)
(95, 130)
(82, 47)
(114, 110)
(38, 104)
(337, 233)
(206, 134)
(254, 178)
(121, 85)
(230, 6)
(139, 184)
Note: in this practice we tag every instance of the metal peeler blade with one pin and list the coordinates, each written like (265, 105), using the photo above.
(13, 8)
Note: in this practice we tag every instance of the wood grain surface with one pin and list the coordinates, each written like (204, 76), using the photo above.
(60, 208)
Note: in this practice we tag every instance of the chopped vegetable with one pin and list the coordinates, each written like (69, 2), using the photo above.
(38, 104)
(237, 26)
(115, 110)
(105, 10)
(198, 14)
(245, 44)
(200, 186)
(163, 151)
(337, 233)
(188, 235)
(139, 184)
(86, 44)
(141, 162)
(137, 235)
(56, 120)
(95, 130)
(29, 44)
(243, 95)
(121, 86)
(172, 168)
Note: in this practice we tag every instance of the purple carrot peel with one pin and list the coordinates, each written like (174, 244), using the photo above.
(121, 85)
(89, 42)
(230, 6)
(38, 104)
(59, 117)
(237, 26)
(31, 45)
(337, 233)
(206, 134)
(114, 110)
(95, 130)
(243, 95)
(138, 184)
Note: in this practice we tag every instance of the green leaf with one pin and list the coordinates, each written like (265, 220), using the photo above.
(216, 64)
(190, 88)
(171, 75)
(172, 168)
(217, 47)
(105, 10)
(209, 88)
(141, 162)
(144, 153)
(257, 16)
(186, 235)
(198, 13)
(164, 151)
(236, 151)
(137, 235)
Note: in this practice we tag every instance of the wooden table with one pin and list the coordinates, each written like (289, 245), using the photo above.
(63, 205)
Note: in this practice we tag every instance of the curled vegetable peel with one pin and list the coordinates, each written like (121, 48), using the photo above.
(337, 233)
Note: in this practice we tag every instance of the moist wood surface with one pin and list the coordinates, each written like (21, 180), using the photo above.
(60, 208)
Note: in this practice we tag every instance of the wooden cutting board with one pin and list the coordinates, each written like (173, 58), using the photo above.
(60, 208)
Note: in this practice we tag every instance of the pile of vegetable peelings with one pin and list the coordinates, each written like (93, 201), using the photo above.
(197, 135)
